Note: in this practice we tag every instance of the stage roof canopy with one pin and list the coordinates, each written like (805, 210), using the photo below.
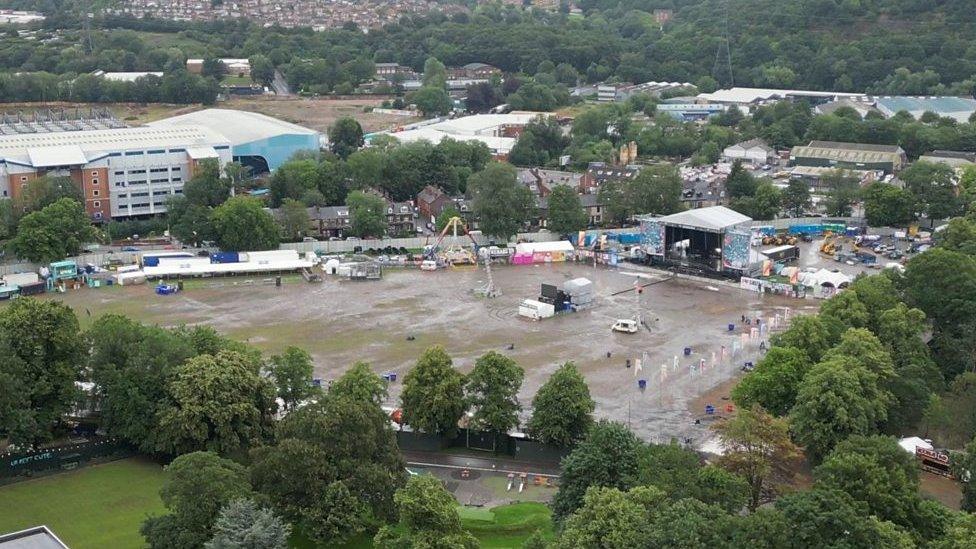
(715, 218)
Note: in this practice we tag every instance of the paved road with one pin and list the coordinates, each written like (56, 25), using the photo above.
(487, 463)
(279, 85)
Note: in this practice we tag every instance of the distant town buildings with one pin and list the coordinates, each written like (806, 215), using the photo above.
(17, 17)
(318, 14)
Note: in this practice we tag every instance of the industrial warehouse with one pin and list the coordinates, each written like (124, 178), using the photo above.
(127, 172)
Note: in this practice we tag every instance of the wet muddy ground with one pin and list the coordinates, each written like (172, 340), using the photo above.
(340, 322)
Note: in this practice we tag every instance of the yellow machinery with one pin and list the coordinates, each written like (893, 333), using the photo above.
(828, 247)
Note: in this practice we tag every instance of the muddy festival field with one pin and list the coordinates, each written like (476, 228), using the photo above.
(388, 323)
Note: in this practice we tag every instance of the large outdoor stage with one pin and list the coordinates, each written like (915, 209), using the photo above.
(707, 241)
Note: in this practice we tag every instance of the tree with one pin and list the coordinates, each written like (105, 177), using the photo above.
(359, 383)
(844, 311)
(433, 394)
(866, 351)
(540, 144)
(335, 467)
(292, 373)
(796, 197)
(190, 223)
(501, 204)
(842, 192)
(428, 518)
(612, 518)
(445, 217)
(131, 365)
(294, 219)
(17, 415)
(565, 214)
(960, 534)
(216, 402)
(613, 198)
(262, 69)
(774, 381)
(656, 189)
(55, 232)
(432, 101)
(345, 137)
(213, 68)
(964, 463)
(934, 188)
(242, 524)
(366, 168)
(959, 235)
(196, 487)
(292, 180)
(206, 187)
(758, 448)
(836, 399)
(740, 183)
(767, 201)
(831, 519)
(44, 191)
(887, 205)
(943, 284)
(535, 96)
(807, 333)
(874, 470)
(242, 224)
(482, 97)
(607, 457)
(492, 392)
(562, 410)
(435, 74)
(367, 214)
(46, 353)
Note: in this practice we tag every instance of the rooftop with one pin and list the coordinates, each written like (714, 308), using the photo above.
(239, 126)
(856, 146)
(477, 123)
(958, 108)
(714, 218)
(755, 143)
(38, 537)
(69, 148)
(753, 95)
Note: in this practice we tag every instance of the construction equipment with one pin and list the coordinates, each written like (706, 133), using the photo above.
(829, 247)
(453, 253)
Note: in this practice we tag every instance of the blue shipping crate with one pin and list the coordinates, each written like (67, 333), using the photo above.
(150, 261)
(225, 257)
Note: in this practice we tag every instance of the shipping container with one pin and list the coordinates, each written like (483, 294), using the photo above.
(224, 257)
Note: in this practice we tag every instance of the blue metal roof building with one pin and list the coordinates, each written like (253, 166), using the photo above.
(957, 108)
(261, 142)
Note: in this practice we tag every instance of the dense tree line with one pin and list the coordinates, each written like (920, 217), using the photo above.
(173, 87)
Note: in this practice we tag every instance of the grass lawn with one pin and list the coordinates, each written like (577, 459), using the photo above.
(503, 527)
(98, 506)
(507, 525)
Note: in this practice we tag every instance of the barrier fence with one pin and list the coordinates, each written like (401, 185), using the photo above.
(503, 444)
(344, 246)
(15, 466)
